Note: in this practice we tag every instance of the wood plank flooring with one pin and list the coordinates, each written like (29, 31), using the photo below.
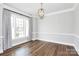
(40, 48)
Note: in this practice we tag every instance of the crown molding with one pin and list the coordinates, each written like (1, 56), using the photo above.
(75, 6)
(14, 9)
(59, 12)
(63, 11)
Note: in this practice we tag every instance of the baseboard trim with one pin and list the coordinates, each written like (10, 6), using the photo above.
(1, 51)
(73, 36)
(62, 38)
(77, 50)
(76, 43)
(14, 44)
(56, 42)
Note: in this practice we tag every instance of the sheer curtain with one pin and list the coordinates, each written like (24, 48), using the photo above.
(16, 28)
(6, 29)
(19, 25)
(21, 28)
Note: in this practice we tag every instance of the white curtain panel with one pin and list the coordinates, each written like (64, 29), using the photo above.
(6, 29)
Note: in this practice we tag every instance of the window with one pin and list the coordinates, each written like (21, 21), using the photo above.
(19, 25)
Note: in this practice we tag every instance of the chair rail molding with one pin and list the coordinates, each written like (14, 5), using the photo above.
(61, 38)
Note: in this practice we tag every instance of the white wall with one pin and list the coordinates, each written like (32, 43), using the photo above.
(56, 28)
(60, 28)
(58, 23)
(76, 12)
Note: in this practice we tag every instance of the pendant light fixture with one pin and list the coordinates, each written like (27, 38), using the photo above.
(41, 12)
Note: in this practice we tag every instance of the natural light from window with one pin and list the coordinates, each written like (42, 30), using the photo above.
(20, 26)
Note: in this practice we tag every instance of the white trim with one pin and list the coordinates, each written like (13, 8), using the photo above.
(63, 11)
(54, 33)
(60, 12)
(76, 43)
(75, 6)
(73, 36)
(65, 36)
(76, 48)
(52, 13)
(1, 51)
(15, 9)
(19, 41)
(56, 42)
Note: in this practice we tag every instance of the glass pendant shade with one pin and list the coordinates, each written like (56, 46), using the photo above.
(41, 12)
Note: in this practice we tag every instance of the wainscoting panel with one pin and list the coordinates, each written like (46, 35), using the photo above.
(67, 39)
(58, 38)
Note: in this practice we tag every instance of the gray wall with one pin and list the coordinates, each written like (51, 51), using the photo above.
(76, 13)
(58, 23)
(52, 27)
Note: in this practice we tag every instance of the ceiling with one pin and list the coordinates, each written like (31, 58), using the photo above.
(32, 8)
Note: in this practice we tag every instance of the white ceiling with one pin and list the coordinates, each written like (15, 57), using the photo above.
(33, 7)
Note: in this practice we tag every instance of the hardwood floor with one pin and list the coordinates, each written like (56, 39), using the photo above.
(40, 48)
